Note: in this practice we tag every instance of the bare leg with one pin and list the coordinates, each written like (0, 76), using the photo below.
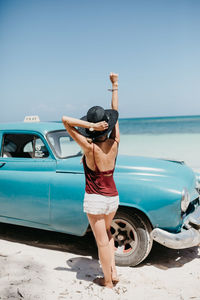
(97, 223)
(108, 219)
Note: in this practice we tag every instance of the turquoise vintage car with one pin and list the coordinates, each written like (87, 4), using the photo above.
(42, 186)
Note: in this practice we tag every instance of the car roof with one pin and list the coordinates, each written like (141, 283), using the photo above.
(42, 127)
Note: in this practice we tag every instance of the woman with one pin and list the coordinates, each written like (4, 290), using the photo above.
(101, 197)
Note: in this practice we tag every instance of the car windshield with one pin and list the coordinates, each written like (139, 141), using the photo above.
(63, 145)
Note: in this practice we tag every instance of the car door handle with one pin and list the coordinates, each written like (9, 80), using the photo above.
(2, 164)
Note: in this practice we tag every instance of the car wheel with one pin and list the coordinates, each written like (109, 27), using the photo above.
(131, 234)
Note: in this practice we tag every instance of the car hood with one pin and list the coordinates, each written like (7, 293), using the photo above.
(158, 166)
(158, 172)
(140, 168)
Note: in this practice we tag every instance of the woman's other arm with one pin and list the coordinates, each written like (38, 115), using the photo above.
(71, 123)
(114, 105)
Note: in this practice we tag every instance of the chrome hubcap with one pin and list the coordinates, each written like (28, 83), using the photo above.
(125, 237)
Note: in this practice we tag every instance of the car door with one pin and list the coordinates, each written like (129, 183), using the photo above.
(68, 185)
(26, 170)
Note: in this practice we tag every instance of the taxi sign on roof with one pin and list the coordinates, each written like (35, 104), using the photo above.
(31, 119)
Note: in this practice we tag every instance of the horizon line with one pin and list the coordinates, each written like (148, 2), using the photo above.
(160, 117)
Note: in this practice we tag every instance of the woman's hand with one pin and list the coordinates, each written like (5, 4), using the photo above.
(100, 126)
(114, 78)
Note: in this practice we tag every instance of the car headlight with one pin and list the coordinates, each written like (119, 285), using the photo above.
(185, 200)
(198, 182)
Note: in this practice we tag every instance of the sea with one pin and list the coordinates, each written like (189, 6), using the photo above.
(176, 138)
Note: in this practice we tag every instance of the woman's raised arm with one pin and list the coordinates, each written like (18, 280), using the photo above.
(114, 105)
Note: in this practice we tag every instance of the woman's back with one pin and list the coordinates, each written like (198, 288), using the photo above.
(102, 155)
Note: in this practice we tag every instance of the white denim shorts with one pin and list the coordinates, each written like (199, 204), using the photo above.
(98, 204)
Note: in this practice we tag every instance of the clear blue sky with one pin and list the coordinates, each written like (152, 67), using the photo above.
(55, 57)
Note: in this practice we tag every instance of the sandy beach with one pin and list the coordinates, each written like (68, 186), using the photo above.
(36, 264)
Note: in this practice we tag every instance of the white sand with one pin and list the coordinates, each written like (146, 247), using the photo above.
(29, 272)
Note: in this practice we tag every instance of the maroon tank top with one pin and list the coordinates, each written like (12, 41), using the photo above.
(98, 182)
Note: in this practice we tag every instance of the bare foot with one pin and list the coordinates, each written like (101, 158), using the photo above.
(101, 281)
(115, 278)
(115, 281)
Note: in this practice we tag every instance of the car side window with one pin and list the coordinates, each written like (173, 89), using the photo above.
(63, 145)
(24, 145)
(67, 146)
(8, 148)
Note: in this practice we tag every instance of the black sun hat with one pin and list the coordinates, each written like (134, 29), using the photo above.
(97, 114)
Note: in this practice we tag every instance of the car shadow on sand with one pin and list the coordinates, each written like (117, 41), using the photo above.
(84, 245)
(165, 258)
(160, 256)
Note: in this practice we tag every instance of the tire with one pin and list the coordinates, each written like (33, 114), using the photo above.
(131, 233)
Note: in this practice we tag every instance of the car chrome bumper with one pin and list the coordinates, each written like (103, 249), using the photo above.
(187, 238)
